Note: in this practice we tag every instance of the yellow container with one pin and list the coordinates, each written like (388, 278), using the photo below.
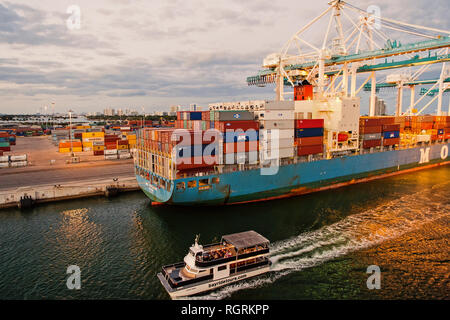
(64, 150)
(131, 137)
(98, 148)
(77, 149)
(87, 144)
(122, 147)
(98, 134)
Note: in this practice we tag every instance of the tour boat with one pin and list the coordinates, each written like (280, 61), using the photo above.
(238, 256)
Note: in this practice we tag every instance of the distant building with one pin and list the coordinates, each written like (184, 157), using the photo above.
(192, 107)
(109, 112)
(380, 107)
(120, 112)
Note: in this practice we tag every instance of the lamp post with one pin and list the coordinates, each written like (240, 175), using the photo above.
(70, 133)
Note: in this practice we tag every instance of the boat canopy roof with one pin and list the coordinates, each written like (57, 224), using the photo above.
(246, 239)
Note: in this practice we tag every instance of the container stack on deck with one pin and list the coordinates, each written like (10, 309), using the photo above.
(309, 136)
(66, 145)
(277, 115)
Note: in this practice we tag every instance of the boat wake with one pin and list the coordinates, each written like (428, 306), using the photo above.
(355, 232)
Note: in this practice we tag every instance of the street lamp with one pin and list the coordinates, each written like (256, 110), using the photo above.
(70, 133)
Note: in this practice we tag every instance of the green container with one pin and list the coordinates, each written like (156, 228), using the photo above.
(4, 144)
(184, 124)
(203, 125)
(211, 115)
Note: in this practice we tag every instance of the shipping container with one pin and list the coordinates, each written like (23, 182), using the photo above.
(233, 116)
(307, 150)
(371, 143)
(234, 125)
(276, 124)
(269, 134)
(370, 129)
(391, 142)
(280, 143)
(236, 147)
(311, 141)
(391, 134)
(309, 123)
(371, 136)
(309, 132)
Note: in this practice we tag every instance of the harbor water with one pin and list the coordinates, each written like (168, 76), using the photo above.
(322, 243)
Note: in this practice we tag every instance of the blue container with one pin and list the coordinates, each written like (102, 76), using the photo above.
(4, 139)
(391, 134)
(308, 132)
(240, 136)
(195, 115)
(211, 124)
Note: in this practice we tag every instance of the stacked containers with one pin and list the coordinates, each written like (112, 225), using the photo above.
(65, 145)
(442, 127)
(277, 115)
(240, 135)
(4, 141)
(370, 132)
(198, 151)
(391, 134)
(309, 136)
(89, 138)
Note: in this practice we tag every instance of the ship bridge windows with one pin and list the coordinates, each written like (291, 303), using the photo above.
(203, 182)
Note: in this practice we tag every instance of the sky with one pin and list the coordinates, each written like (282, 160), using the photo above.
(153, 54)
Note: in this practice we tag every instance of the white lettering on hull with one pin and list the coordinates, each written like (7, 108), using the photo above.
(444, 152)
(424, 155)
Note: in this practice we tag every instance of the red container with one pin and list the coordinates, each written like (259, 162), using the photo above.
(122, 142)
(391, 142)
(312, 141)
(370, 129)
(391, 127)
(110, 146)
(99, 153)
(308, 123)
(5, 148)
(244, 146)
(197, 162)
(234, 125)
(307, 150)
(371, 143)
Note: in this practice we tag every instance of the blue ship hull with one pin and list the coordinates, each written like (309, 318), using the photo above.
(292, 179)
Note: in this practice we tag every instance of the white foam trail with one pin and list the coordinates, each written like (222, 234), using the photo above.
(356, 232)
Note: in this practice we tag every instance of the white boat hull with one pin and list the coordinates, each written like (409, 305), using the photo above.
(212, 284)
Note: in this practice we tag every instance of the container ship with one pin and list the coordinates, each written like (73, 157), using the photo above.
(308, 140)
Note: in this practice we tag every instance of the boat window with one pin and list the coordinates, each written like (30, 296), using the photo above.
(203, 182)
(221, 268)
(216, 180)
(192, 184)
(181, 186)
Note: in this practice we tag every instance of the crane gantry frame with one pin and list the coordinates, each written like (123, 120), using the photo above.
(345, 56)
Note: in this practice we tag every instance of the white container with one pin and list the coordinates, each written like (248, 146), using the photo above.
(4, 159)
(19, 164)
(109, 152)
(18, 158)
(123, 151)
(124, 156)
(282, 143)
(111, 157)
(271, 154)
(276, 115)
(269, 134)
(4, 164)
(276, 124)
